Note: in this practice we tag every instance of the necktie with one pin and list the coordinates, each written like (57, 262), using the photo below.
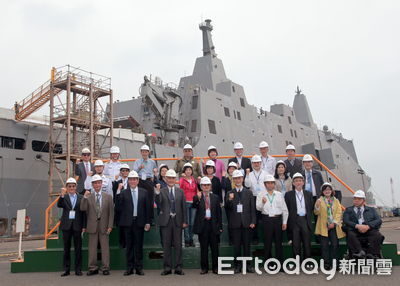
(240, 194)
(172, 200)
(73, 201)
(358, 212)
(134, 200)
(87, 169)
(207, 202)
(98, 209)
(309, 181)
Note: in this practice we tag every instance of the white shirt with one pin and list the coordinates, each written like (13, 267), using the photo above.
(239, 162)
(300, 203)
(274, 206)
(112, 169)
(311, 183)
(268, 164)
(106, 186)
(88, 181)
(135, 198)
(255, 181)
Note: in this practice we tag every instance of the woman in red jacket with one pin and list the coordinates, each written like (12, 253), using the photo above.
(189, 186)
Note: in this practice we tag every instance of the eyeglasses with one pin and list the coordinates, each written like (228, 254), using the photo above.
(86, 154)
(71, 186)
(125, 170)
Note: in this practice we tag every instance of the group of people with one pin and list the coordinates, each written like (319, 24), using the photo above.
(258, 195)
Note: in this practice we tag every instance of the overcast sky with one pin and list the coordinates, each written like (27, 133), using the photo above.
(344, 55)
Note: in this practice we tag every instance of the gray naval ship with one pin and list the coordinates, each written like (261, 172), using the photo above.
(206, 108)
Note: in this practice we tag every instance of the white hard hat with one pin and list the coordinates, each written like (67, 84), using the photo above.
(359, 194)
(188, 146)
(71, 181)
(205, 181)
(210, 163)
(96, 178)
(290, 147)
(280, 162)
(238, 145)
(237, 174)
(232, 164)
(163, 165)
(114, 149)
(171, 173)
(124, 166)
(269, 178)
(263, 144)
(297, 175)
(145, 148)
(326, 184)
(307, 158)
(133, 174)
(98, 163)
(86, 151)
(255, 159)
(187, 165)
(212, 148)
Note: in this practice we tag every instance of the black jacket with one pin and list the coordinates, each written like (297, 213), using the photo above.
(371, 218)
(216, 187)
(246, 163)
(290, 199)
(248, 216)
(216, 214)
(80, 216)
(317, 179)
(296, 168)
(124, 208)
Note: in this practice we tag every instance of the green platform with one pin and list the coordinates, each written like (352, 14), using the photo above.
(50, 259)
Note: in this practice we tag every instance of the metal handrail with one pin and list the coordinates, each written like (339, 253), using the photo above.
(46, 223)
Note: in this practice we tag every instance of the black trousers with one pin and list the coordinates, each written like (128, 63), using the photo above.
(134, 246)
(273, 233)
(149, 186)
(241, 239)
(301, 236)
(68, 235)
(373, 236)
(208, 239)
(330, 247)
(258, 220)
(172, 237)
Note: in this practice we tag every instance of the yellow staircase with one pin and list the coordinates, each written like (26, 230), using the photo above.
(36, 99)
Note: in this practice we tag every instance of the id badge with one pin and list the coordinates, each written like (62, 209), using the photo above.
(257, 188)
(308, 187)
(208, 213)
(144, 177)
(71, 214)
(239, 208)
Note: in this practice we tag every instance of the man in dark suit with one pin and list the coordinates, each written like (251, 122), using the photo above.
(242, 218)
(172, 220)
(118, 185)
(313, 178)
(83, 172)
(300, 206)
(242, 162)
(293, 164)
(73, 223)
(207, 224)
(362, 222)
(133, 207)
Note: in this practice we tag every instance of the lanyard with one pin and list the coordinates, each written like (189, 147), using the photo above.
(257, 178)
(302, 197)
(283, 184)
(269, 200)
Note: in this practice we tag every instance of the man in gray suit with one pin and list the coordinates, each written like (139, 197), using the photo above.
(99, 207)
(83, 172)
(172, 219)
